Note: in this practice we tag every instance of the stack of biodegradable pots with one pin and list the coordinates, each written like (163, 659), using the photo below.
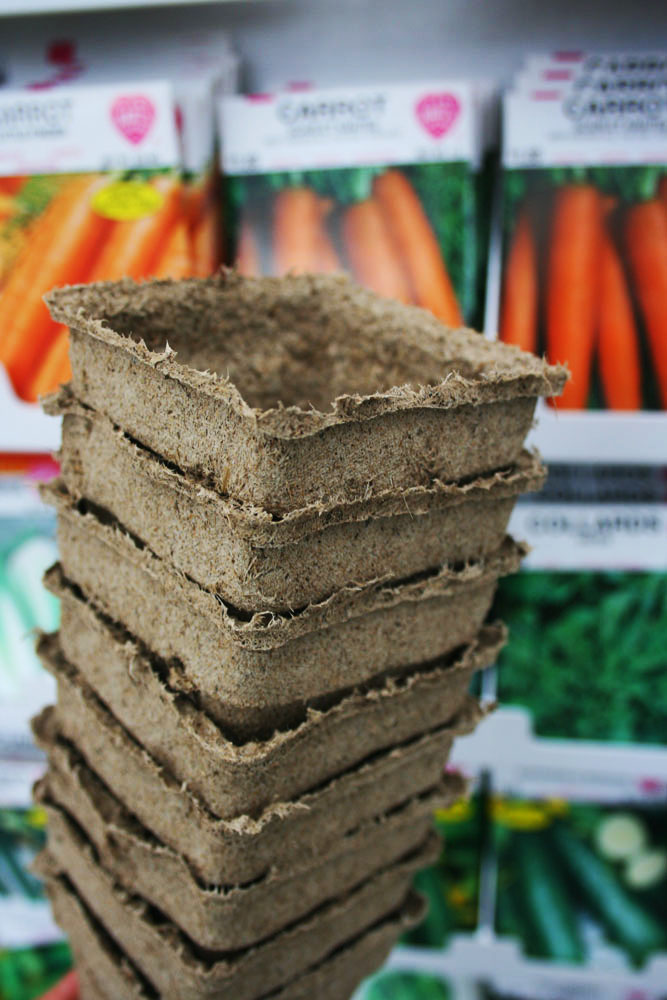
(281, 519)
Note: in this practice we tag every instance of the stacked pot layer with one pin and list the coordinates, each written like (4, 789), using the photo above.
(281, 515)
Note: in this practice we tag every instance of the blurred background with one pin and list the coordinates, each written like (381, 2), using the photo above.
(525, 148)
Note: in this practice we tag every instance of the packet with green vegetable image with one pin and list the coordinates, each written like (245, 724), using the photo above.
(587, 653)
(26, 973)
(395, 985)
(580, 883)
(452, 884)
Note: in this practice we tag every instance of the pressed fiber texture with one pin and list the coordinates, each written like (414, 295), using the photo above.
(256, 561)
(252, 676)
(81, 531)
(107, 974)
(306, 389)
(282, 514)
(100, 648)
(180, 972)
(287, 834)
(244, 779)
(228, 917)
(117, 667)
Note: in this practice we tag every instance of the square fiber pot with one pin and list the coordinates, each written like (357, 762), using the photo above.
(181, 971)
(288, 835)
(299, 390)
(135, 683)
(257, 561)
(234, 780)
(107, 974)
(227, 918)
(255, 674)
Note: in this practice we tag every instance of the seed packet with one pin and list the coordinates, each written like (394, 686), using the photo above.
(583, 243)
(107, 168)
(381, 181)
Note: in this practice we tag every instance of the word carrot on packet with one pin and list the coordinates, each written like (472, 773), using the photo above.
(584, 246)
(381, 181)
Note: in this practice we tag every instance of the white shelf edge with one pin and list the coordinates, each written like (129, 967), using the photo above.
(599, 436)
(25, 427)
(27, 923)
(16, 780)
(16, 8)
(578, 770)
(501, 962)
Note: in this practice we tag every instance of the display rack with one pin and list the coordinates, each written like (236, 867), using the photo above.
(523, 763)
(578, 770)
(502, 964)
(25, 427)
(16, 781)
(23, 921)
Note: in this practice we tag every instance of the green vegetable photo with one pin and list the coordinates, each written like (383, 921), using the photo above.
(587, 654)
(570, 875)
(452, 885)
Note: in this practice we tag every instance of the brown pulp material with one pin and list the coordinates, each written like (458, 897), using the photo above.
(82, 530)
(228, 918)
(287, 835)
(252, 676)
(245, 779)
(107, 974)
(305, 389)
(258, 562)
(106, 653)
(180, 971)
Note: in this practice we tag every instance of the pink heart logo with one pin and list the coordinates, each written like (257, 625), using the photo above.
(133, 116)
(437, 113)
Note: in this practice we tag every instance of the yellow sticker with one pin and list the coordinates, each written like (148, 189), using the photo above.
(36, 817)
(458, 812)
(521, 815)
(525, 815)
(125, 201)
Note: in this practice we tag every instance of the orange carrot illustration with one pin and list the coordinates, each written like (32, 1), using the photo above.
(572, 287)
(133, 246)
(54, 369)
(620, 368)
(297, 230)
(646, 239)
(247, 253)
(371, 251)
(415, 239)
(63, 242)
(518, 315)
(206, 242)
(11, 185)
(196, 198)
(175, 261)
